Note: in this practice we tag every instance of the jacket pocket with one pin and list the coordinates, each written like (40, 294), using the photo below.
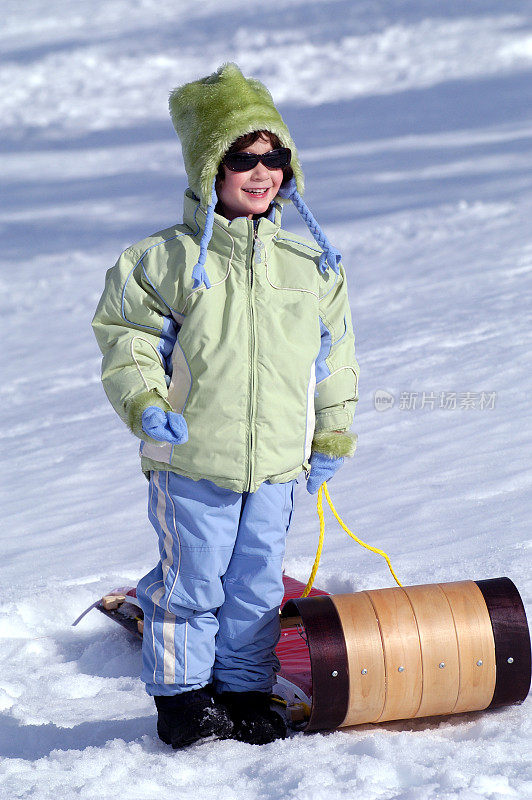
(290, 271)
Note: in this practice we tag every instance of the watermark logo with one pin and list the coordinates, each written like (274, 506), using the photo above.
(383, 400)
(449, 401)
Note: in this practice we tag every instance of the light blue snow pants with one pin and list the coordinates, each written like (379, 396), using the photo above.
(211, 605)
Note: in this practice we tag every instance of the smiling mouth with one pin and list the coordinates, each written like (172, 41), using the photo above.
(257, 192)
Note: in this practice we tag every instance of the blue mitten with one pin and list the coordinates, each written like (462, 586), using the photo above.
(165, 426)
(322, 468)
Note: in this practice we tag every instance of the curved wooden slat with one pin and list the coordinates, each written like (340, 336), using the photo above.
(476, 648)
(402, 653)
(439, 649)
(364, 655)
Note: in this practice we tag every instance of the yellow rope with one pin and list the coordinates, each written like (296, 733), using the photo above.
(319, 505)
(310, 583)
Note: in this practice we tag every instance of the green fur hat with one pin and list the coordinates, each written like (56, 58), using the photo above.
(211, 113)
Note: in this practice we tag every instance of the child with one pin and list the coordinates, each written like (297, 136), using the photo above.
(229, 351)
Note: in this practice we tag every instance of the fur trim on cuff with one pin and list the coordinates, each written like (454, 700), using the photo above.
(139, 404)
(335, 444)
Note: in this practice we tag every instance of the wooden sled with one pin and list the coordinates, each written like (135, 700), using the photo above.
(389, 654)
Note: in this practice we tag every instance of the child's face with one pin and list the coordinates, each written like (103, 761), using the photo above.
(232, 191)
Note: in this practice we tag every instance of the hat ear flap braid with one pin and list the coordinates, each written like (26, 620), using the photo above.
(330, 256)
(199, 273)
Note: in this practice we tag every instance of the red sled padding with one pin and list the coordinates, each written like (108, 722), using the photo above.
(292, 649)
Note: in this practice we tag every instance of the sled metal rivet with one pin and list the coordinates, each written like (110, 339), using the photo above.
(479, 662)
(334, 673)
(441, 664)
(364, 671)
(510, 660)
(400, 669)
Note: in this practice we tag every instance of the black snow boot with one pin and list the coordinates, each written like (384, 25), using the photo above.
(253, 720)
(187, 717)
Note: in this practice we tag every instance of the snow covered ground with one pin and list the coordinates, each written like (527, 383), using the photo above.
(414, 125)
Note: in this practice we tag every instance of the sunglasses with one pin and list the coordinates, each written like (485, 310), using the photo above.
(243, 162)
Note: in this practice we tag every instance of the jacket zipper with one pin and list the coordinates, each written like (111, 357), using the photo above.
(251, 358)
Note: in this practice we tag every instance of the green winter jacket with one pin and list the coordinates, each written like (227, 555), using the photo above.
(261, 364)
